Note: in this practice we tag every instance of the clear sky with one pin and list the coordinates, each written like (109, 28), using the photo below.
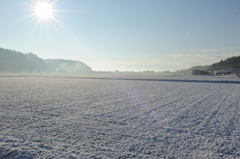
(126, 34)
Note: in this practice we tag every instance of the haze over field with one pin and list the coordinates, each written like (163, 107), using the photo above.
(124, 35)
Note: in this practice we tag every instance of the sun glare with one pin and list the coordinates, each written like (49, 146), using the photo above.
(43, 10)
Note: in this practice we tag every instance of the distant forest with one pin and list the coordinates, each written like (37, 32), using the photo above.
(232, 63)
(14, 61)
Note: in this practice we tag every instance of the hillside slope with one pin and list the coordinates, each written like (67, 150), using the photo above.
(70, 66)
(232, 63)
(14, 61)
(189, 71)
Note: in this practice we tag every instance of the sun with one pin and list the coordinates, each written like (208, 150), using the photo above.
(44, 13)
(43, 10)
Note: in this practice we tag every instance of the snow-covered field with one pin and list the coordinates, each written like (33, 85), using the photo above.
(71, 118)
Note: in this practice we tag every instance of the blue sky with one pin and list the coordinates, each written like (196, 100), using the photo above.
(127, 34)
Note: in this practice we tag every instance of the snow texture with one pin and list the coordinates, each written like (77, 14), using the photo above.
(77, 118)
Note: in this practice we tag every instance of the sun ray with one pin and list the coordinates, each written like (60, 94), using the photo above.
(44, 12)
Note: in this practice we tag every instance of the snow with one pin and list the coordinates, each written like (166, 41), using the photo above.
(47, 117)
